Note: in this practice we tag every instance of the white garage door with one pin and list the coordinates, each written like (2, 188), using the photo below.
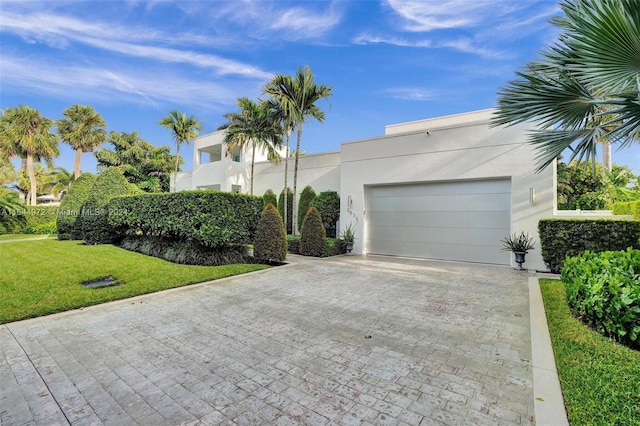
(461, 220)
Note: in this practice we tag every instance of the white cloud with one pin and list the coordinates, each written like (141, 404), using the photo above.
(306, 23)
(411, 93)
(424, 16)
(395, 41)
(147, 87)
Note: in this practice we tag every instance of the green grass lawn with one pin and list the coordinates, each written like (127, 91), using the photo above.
(600, 379)
(43, 277)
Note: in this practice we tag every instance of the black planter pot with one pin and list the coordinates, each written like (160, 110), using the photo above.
(520, 259)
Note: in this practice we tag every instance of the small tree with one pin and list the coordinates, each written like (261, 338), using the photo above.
(328, 204)
(269, 197)
(306, 197)
(313, 234)
(271, 239)
(68, 227)
(281, 204)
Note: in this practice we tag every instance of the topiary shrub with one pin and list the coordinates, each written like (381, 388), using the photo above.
(313, 234)
(269, 197)
(293, 243)
(306, 198)
(271, 239)
(328, 204)
(289, 208)
(71, 205)
(560, 238)
(94, 213)
(48, 228)
(604, 291)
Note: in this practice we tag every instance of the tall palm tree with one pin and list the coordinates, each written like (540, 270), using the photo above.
(28, 133)
(254, 126)
(297, 97)
(83, 128)
(586, 87)
(183, 129)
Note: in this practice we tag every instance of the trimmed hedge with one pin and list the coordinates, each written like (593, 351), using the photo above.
(604, 291)
(71, 205)
(306, 198)
(328, 204)
(210, 219)
(560, 238)
(332, 246)
(269, 197)
(271, 240)
(186, 253)
(631, 208)
(93, 219)
(313, 234)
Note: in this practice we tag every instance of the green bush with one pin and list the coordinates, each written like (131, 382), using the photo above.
(71, 205)
(560, 238)
(630, 208)
(289, 208)
(12, 209)
(271, 240)
(269, 197)
(306, 198)
(313, 234)
(42, 228)
(328, 204)
(185, 252)
(293, 242)
(95, 212)
(211, 219)
(604, 290)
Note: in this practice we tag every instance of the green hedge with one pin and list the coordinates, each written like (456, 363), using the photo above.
(631, 208)
(211, 219)
(332, 246)
(306, 198)
(604, 290)
(560, 238)
(271, 239)
(93, 219)
(68, 228)
(313, 234)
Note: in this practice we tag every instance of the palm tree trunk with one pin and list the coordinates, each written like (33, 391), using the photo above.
(175, 171)
(31, 199)
(286, 174)
(606, 155)
(294, 216)
(253, 156)
(78, 158)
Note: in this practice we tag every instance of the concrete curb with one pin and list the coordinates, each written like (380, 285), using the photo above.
(548, 402)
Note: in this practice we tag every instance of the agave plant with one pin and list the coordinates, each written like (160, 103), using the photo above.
(518, 243)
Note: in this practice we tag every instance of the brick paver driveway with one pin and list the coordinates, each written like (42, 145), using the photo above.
(347, 340)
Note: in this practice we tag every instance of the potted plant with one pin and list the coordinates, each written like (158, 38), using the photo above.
(519, 245)
(348, 236)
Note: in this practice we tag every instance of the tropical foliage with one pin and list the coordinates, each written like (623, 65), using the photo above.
(183, 130)
(296, 98)
(146, 166)
(26, 134)
(82, 128)
(68, 226)
(256, 126)
(585, 88)
(11, 216)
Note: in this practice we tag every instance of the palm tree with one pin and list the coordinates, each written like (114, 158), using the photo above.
(255, 126)
(57, 180)
(586, 87)
(183, 129)
(25, 131)
(83, 129)
(297, 97)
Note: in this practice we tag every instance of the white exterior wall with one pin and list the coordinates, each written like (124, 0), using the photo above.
(320, 171)
(460, 147)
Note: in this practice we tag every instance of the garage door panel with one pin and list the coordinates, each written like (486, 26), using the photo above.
(456, 202)
(444, 220)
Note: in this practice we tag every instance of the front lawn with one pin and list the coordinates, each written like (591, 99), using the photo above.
(600, 379)
(24, 236)
(45, 276)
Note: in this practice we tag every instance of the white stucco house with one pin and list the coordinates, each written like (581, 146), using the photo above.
(444, 188)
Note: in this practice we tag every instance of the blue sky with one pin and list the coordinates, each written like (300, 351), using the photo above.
(388, 61)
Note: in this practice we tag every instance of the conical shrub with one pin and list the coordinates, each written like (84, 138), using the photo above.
(271, 239)
(313, 234)
(306, 198)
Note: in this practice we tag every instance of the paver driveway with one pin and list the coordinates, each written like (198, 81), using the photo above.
(347, 340)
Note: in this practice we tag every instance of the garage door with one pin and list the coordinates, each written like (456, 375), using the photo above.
(461, 220)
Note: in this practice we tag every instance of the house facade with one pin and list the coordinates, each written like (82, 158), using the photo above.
(446, 188)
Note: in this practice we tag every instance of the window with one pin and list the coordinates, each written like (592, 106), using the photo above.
(236, 188)
(210, 187)
(210, 154)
